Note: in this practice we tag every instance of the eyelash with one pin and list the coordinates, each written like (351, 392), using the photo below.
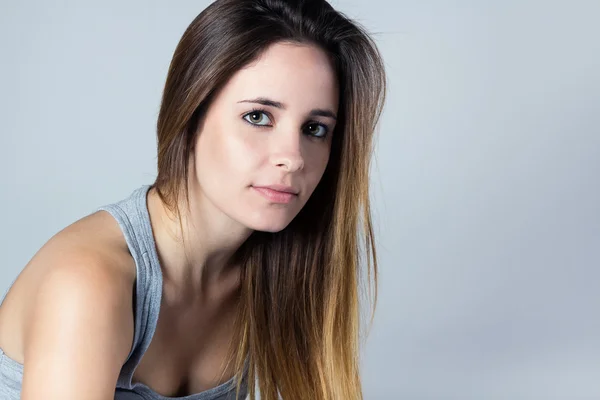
(263, 111)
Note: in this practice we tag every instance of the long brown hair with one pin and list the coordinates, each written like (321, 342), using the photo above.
(297, 331)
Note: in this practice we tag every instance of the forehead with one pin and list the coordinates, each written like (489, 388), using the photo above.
(299, 75)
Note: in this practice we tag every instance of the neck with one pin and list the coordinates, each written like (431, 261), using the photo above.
(197, 260)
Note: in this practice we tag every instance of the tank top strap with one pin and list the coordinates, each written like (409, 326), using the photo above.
(133, 218)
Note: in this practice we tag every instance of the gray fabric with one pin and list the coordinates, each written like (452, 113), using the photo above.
(132, 215)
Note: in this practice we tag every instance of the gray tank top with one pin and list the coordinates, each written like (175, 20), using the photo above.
(132, 215)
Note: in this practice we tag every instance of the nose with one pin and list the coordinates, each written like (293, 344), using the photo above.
(291, 162)
(287, 153)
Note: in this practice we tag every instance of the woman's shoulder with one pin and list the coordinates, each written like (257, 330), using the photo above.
(86, 261)
(93, 244)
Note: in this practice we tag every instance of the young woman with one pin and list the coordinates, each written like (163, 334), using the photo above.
(238, 270)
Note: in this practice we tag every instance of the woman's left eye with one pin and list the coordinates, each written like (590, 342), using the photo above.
(317, 130)
(257, 118)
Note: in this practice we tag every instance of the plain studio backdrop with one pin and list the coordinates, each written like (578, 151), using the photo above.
(486, 181)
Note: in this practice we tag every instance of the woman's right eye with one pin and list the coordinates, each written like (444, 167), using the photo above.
(257, 118)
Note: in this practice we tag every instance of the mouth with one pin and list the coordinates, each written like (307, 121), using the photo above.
(284, 195)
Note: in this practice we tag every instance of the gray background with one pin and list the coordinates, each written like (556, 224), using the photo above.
(486, 183)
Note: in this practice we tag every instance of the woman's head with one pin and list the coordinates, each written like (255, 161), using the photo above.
(262, 129)
(320, 80)
(230, 50)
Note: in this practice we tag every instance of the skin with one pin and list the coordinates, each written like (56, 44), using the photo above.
(57, 320)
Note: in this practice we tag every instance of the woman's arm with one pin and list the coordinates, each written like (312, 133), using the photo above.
(79, 332)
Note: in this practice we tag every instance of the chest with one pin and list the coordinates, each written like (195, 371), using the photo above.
(188, 351)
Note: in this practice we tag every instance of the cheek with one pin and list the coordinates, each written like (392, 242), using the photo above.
(224, 160)
(318, 161)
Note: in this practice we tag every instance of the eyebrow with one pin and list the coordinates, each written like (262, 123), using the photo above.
(316, 112)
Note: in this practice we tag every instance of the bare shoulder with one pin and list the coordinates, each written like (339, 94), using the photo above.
(85, 267)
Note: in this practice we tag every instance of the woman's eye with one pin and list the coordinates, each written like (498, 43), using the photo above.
(257, 118)
(317, 130)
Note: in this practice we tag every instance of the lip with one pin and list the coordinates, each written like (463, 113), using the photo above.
(279, 188)
(276, 196)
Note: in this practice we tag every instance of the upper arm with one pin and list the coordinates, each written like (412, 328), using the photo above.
(79, 332)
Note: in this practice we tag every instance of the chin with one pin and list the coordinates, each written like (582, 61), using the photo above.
(272, 226)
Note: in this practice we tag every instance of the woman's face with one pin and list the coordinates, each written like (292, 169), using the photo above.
(270, 125)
